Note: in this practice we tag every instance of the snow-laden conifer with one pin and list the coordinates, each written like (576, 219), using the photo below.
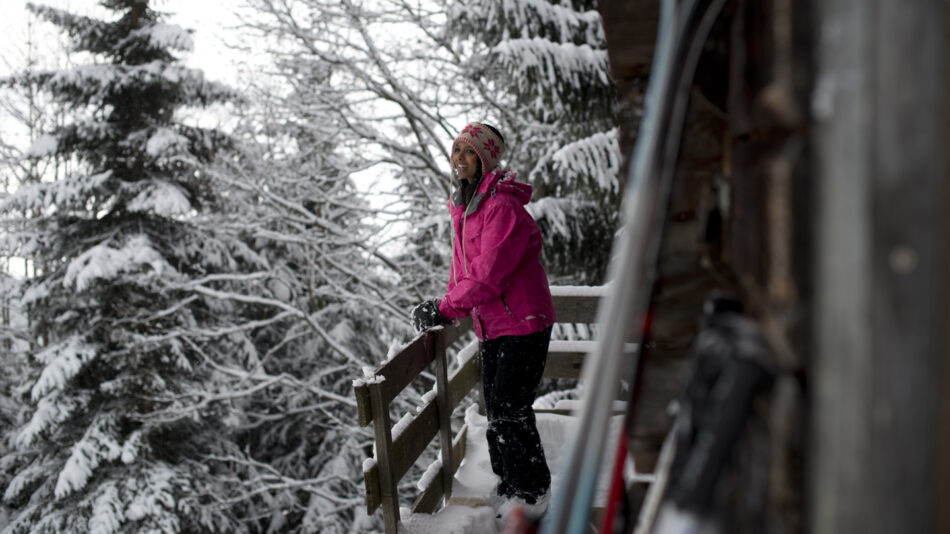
(125, 345)
(546, 63)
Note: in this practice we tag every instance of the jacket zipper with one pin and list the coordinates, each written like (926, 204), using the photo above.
(464, 259)
(455, 274)
(505, 302)
(465, 218)
(465, 262)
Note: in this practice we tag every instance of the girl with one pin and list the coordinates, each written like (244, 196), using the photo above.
(497, 278)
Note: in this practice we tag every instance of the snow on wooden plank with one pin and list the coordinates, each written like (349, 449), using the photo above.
(433, 491)
(465, 378)
(579, 291)
(419, 431)
(462, 382)
(406, 365)
(413, 434)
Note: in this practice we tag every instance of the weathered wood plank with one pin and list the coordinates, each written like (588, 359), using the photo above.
(406, 449)
(398, 378)
(409, 445)
(572, 308)
(566, 358)
(417, 435)
(466, 376)
(445, 409)
(397, 374)
(371, 484)
(464, 379)
(389, 497)
(564, 364)
(881, 270)
(566, 411)
(405, 366)
(422, 429)
(429, 499)
(364, 407)
(909, 226)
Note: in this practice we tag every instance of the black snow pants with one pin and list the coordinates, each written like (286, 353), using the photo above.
(511, 371)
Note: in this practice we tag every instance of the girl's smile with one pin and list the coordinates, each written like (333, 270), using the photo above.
(465, 161)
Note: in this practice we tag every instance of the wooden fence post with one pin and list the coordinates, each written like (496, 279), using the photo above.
(384, 445)
(445, 409)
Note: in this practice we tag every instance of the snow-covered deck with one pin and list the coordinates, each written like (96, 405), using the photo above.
(467, 511)
(466, 466)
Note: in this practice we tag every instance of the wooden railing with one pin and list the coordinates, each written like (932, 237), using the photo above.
(397, 451)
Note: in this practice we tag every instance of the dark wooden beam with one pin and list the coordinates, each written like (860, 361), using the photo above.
(882, 269)
(630, 27)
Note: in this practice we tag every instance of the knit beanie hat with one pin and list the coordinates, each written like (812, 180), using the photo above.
(487, 144)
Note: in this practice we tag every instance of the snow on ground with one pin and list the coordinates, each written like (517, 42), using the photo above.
(467, 511)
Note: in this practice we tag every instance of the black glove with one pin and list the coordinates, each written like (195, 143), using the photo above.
(426, 314)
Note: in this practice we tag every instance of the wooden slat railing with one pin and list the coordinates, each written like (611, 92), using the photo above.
(395, 455)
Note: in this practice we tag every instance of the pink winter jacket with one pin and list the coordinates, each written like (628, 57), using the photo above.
(496, 274)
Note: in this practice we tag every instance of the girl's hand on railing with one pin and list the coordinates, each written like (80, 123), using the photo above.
(426, 315)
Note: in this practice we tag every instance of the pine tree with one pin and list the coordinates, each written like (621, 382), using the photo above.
(546, 61)
(129, 331)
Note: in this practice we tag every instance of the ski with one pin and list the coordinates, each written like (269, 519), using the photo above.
(683, 28)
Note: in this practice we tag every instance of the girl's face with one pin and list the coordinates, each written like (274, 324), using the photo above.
(465, 161)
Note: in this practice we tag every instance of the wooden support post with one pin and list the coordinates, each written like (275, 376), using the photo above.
(384, 448)
(881, 267)
(437, 343)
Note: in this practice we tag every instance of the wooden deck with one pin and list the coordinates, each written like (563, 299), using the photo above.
(396, 452)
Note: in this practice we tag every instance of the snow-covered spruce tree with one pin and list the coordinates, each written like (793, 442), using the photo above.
(128, 332)
(546, 61)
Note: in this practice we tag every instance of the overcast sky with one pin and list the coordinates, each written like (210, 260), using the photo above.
(214, 24)
(212, 20)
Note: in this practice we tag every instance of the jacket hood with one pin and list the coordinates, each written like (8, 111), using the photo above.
(495, 182)
(520, 190)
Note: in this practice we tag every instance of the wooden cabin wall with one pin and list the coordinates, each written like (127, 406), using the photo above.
(769, 235)
(744, 178)
(881, 349)
(818, 132)
(630, 29)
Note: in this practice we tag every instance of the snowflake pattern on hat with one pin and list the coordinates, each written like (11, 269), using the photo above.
(486, 143)
(493, 150)
(473, 129)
